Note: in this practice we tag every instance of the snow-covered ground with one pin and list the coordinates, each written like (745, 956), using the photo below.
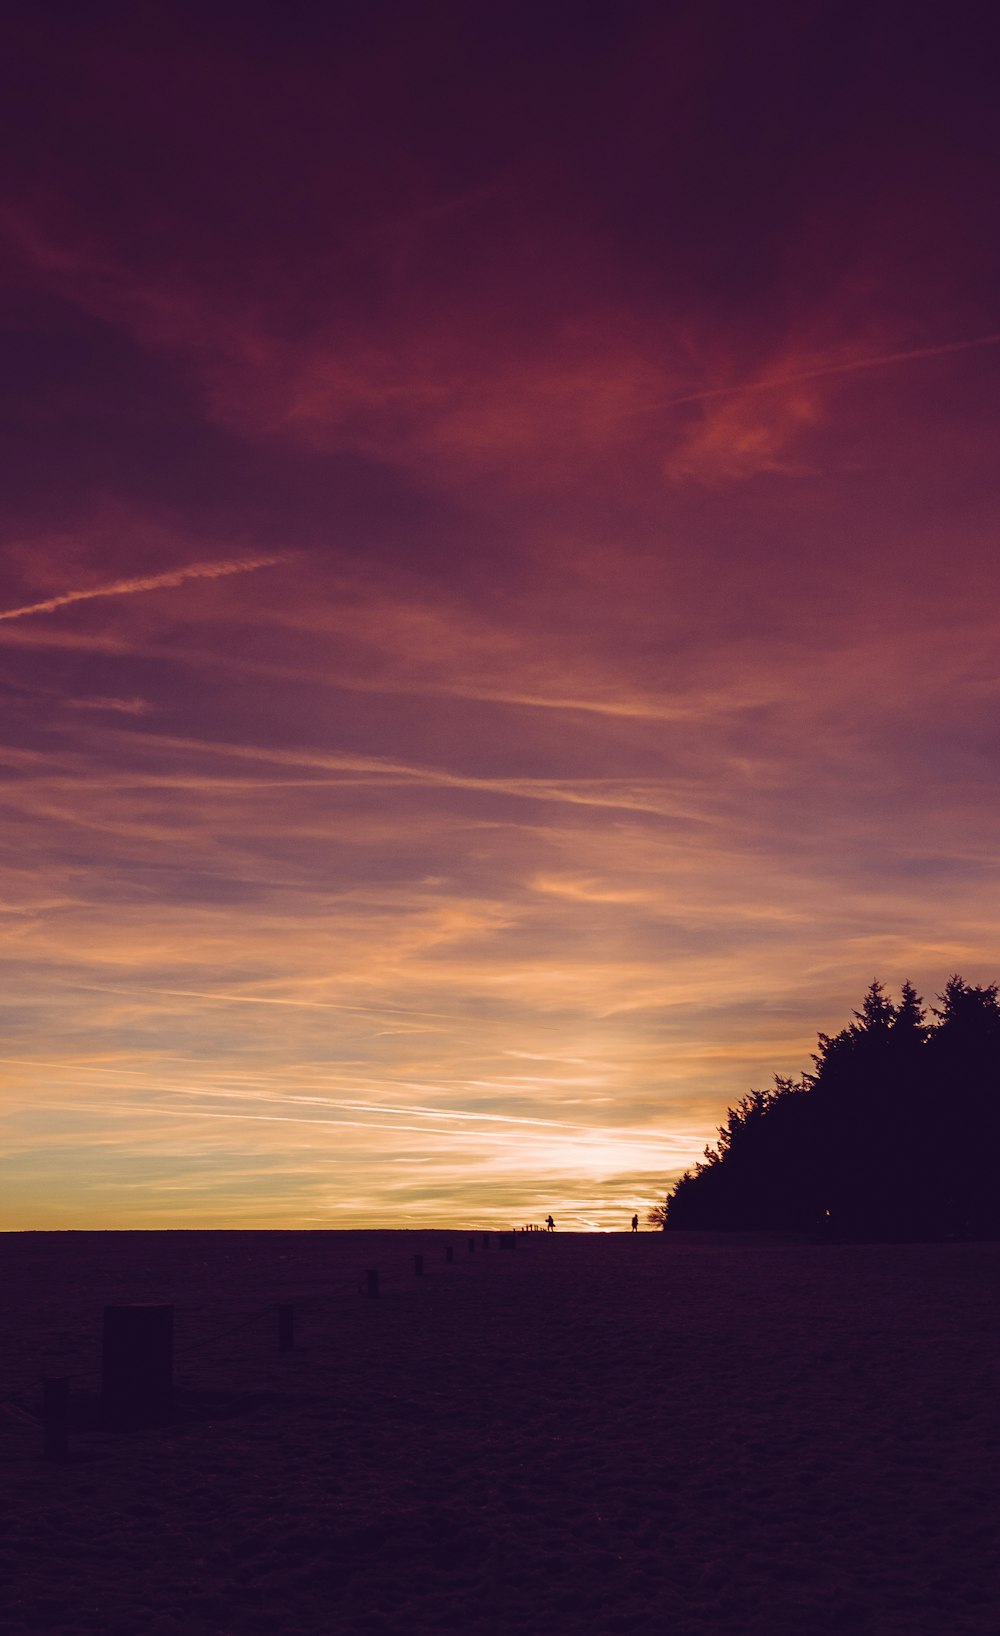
(597, 1434)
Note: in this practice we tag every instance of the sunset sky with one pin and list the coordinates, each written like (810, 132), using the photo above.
(498, 603)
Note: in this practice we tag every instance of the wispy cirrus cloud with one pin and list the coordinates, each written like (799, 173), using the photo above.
(823, 371)
(756, 425)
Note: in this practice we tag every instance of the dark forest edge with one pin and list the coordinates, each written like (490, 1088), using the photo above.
(893, 1136)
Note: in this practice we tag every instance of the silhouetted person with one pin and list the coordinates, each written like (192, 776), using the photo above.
(550, 1224)
(635, 1224)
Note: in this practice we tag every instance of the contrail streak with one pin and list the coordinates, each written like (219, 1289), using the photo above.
(150, 582)
(598, 1134)
(826, 369)
(598, 792)
(391, 1012)
(159, 1108)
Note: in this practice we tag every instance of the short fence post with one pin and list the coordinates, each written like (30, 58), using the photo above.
(418, 1266)
(137, 1366)
(472, 1245)
(286, 1328)
(371, 1282)
(449, 1254)
(55, 1417)
(486, 1241)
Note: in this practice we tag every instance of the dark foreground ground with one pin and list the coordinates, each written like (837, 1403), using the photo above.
(584, 1434)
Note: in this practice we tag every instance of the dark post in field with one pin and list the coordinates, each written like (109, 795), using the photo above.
(486, 1241)
(55, 1417)
(286, 1328)
(472, 1245)
(371, 1282)
(449, 1254)
(137, 1366)
(418, 1266)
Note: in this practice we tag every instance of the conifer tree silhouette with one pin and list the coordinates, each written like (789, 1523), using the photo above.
(892, 1135)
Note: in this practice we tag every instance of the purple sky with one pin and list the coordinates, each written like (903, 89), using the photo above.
(498, 601)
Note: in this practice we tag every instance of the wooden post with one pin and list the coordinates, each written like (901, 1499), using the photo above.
(449, 1254)
(137, 1366)
(472, 1245)
(286, 1328)
(371, 1282)
(486, 1241)
(55, 1417)
(418, 1266)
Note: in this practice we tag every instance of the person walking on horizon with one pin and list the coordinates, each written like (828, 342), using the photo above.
(635, 1224)
(550, 1224)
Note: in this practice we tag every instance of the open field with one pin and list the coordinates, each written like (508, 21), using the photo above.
(583, 1434)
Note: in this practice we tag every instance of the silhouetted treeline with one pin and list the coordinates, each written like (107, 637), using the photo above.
(894, 1135)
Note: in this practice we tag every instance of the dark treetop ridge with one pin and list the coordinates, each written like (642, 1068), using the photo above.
(892, 1136)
